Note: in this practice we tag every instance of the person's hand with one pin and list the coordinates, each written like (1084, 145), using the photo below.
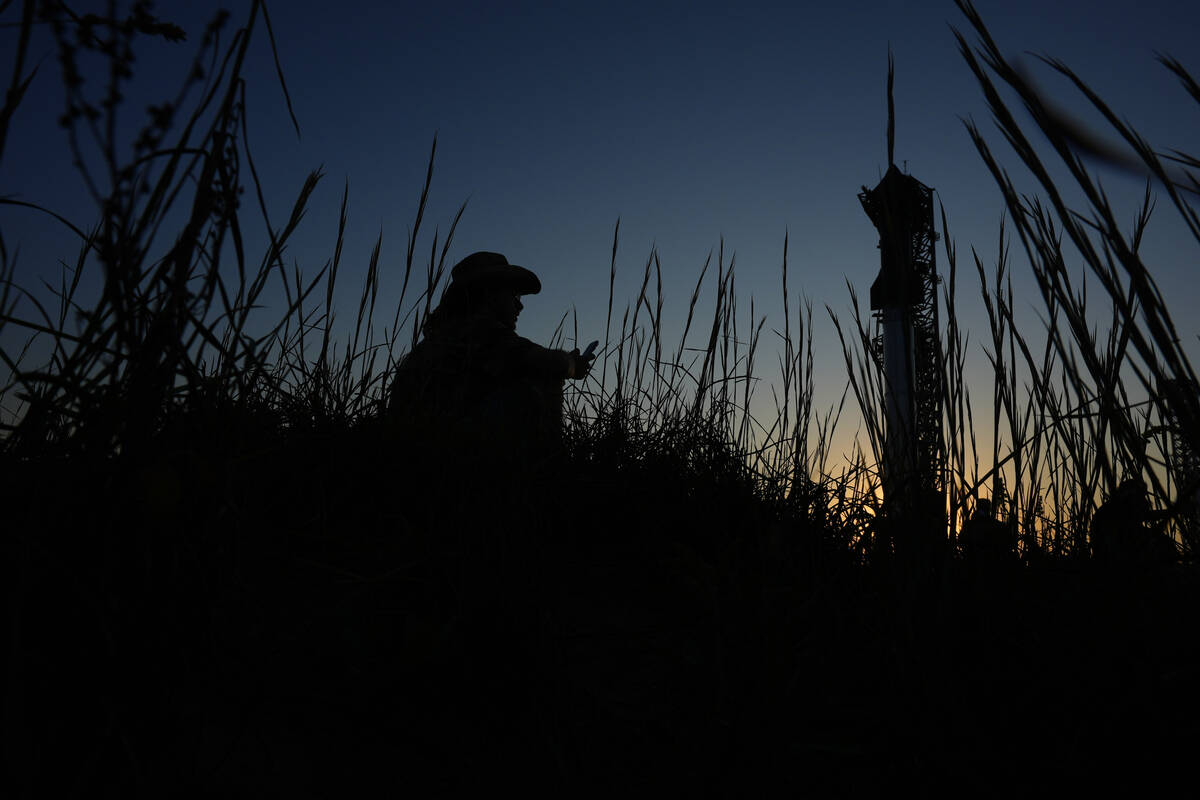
(581, 363)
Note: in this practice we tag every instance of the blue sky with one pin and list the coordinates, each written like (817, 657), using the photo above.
(689, 121)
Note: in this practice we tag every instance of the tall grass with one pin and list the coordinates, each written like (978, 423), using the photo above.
(1090, 423)
(205, 498)
(174, 329)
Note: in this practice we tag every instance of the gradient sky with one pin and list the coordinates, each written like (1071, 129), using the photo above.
(689, 121)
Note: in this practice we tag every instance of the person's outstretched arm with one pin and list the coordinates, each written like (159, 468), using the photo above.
(523, 357)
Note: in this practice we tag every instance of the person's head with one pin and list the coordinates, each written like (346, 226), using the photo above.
(485, 284)
(1132, 487)
(1131, 496)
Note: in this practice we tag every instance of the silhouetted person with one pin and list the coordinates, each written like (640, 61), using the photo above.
(1119, 534)
(472, 378)
(986, 540)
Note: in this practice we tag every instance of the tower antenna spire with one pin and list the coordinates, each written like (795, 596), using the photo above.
(891, 108)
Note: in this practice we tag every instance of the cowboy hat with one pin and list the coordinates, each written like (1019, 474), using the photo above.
(492, 269)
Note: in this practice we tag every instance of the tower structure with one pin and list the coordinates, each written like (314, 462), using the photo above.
(904, 299)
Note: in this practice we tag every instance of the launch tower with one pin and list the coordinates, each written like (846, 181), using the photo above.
(904, 299)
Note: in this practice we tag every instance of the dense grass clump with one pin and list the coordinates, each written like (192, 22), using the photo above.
(228, 569)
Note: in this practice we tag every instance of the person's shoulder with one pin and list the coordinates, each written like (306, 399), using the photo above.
(419, 353)
(430, 354)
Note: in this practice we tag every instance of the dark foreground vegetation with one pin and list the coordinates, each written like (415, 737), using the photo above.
(226, 573)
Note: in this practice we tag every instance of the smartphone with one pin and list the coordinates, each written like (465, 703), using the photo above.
(591, 348)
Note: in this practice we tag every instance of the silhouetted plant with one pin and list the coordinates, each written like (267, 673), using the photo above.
(1104, 434)
(204, 499)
